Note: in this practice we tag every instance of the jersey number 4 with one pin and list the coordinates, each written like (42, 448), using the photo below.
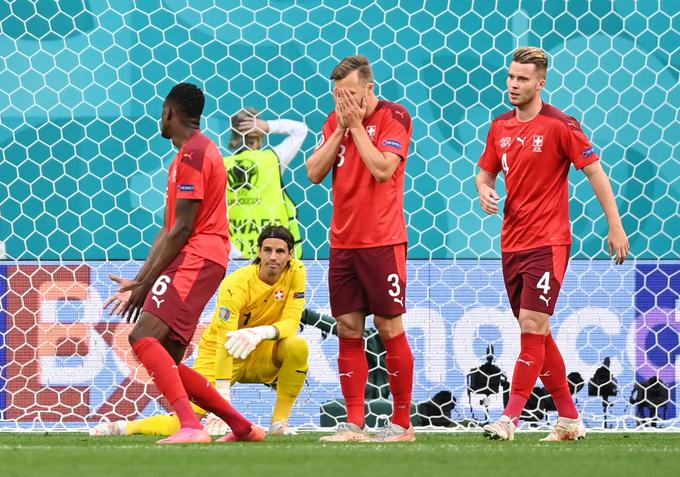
(504, 162)
(544, 283)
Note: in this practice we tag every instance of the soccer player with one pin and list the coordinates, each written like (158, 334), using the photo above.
(263, 301)
(365, 142)
(256, 195)
(534, 145)
(185, 266)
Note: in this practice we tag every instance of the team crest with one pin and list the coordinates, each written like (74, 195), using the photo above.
(538, 143)
(225, 314)
(370, 130)
(505, 142)
(279, 294)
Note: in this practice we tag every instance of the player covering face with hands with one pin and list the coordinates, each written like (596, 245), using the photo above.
(365, 143)
(535, 145)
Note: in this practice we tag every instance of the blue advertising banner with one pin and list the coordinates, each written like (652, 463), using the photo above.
(66, 363)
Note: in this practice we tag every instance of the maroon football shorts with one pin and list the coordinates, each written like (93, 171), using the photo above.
(533, 278)
(181, 292)
(370, 279)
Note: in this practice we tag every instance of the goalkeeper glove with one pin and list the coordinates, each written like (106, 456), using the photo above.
(223, 386)
(241, 343)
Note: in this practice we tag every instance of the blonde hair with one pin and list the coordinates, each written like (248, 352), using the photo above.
(244, 140)
(531, 55)
(353, 63)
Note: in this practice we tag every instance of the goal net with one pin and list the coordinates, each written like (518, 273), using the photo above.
(83, 174)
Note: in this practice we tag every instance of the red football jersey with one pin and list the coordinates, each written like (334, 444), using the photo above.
(367, 213)
(535, 157)
(197, 172)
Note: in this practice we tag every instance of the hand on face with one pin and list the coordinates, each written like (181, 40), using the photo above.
(352, 112)
(339, 111)
(253, 125)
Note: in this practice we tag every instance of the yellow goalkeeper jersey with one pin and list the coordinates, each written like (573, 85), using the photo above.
(245, 301)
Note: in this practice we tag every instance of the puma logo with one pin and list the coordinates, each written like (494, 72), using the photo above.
(400, 113)
(157, 300)
(545, 299)
(399, 300)
(346, 375)
(545, 375)
(528, 363)
(395, 374)
(521, 140)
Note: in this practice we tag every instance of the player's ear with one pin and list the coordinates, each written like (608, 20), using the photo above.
(541, 80)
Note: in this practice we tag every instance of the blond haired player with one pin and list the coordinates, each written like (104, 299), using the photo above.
(535, 145)
(252, 336)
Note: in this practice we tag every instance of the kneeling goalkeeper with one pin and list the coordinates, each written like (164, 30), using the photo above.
(252, 336)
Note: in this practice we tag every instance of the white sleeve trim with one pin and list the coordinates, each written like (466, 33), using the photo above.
(290, 146)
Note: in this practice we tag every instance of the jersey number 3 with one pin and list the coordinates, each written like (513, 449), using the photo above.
(341, 155)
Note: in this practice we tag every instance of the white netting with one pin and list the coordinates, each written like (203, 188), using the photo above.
(83, 177)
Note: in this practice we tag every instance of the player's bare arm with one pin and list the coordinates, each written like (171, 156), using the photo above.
(155, 248)
(488, 197)
(381, 164)
(617, 239)
(120, 298)
(321, 162)
(169, 248)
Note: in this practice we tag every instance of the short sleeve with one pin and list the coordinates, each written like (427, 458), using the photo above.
(489, 160)
(395, 132)
(191, 176)
(577, 146)
(327, 130)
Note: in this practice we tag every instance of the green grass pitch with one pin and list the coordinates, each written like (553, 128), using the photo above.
(459, 454)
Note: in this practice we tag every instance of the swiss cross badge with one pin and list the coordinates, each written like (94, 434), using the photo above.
(505, 142)
(538, 143)
(278, 295)
(370, 130)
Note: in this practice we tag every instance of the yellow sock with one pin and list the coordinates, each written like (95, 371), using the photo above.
(292, 353)
(163, 425)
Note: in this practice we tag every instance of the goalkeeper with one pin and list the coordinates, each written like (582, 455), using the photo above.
(252, 336)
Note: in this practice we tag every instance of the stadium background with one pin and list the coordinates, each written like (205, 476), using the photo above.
(83, 177)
